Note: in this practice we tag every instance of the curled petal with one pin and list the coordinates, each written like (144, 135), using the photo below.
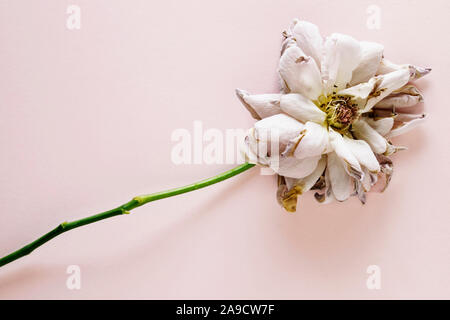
(287, 196)
(369, 180)
(308, 38)
(401, 117)
(362, 130)
(384, 85)
(301, 108)
(342, 56)
(406, 125)
(313, 142)
(260, 106)
(387, 170)
(287, 43)
(287, 200)
(292, 167)
(368, 94)
(269, 137)
(253, 151)
(371, 54)
(300, 73)
(407, 96)
(350, 162)
(387, 66)
(360, 192)
(363, 153)
(391, 149)
(341, 182)
(279, 127)
(381, 125)
(306, 183)
(326, 193)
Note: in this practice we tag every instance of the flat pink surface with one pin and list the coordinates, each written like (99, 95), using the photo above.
(86, 118)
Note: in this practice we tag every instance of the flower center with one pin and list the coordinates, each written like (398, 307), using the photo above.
(341, 110)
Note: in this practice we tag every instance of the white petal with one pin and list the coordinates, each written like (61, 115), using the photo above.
(308, 38)
(361, 150)
(340, 148)
(260, 105)
(362, 130)
(342, 56)
(254, 152)
(387, 66)
(381, 125)
(290, 188)
(341, 183)
(313, 142)
(377, 88)
(294, 168)
(300, 73)
(359, 93)
(306, 183)
(269, 137)
(279, 127)
(371, 54)
(301, 108)
(406, 126)
(406, 96)
(385, 85)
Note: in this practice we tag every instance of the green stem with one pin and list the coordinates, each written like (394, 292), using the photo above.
(123, 209)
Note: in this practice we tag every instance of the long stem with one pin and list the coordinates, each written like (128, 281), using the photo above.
(123, 209)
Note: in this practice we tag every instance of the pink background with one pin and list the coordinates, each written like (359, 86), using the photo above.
(86, 118)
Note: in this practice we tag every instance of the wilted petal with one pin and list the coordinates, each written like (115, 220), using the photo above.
(306, 183)
(362, 130)
(326, 194)
(371, 54)
(407, 96)
(269, 137)
(292, 167)
(254, 152)
(280, 127)
(287, 197)
(342, 56)
(360, 192)
(287, 200)
(313, 141)
(360, 93)
(391, 149)
(348, 158)
(308, 38)
(301, 108)
(369, 179)
(368, 94)
(341, 182)
(406, 125)
(363, 153)
(384, 85)
(381, 125)
(260, 106)
(300, 73)
(387, 170)
(387, 66)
